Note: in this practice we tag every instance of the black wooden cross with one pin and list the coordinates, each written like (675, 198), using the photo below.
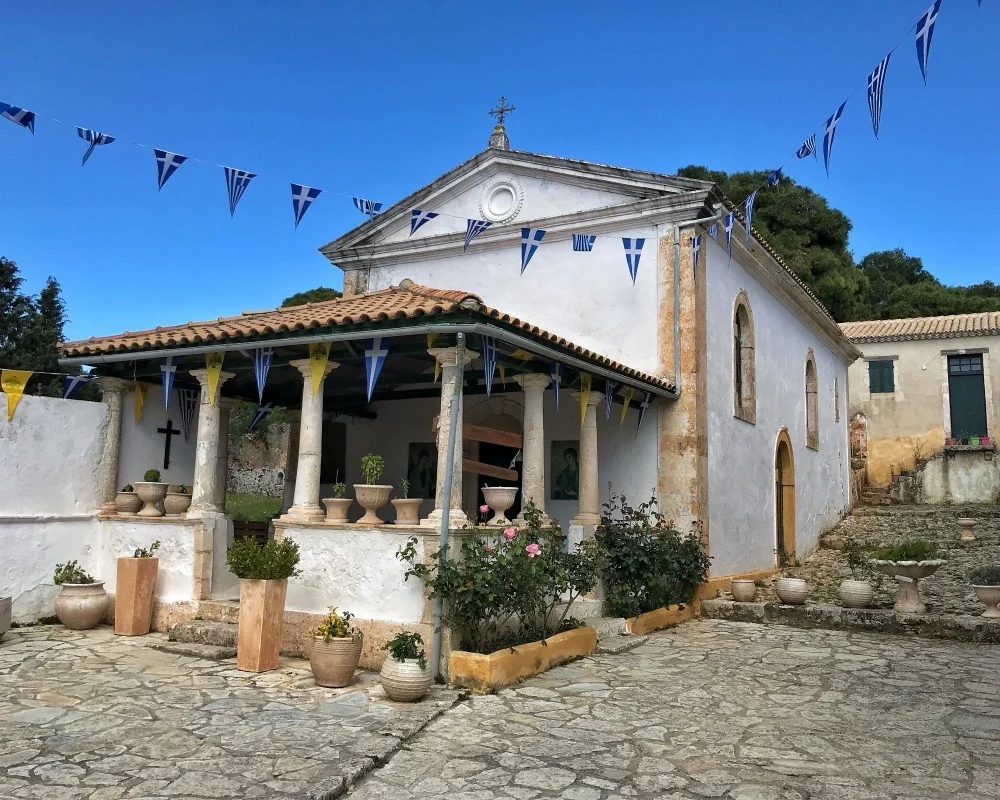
(168, 432)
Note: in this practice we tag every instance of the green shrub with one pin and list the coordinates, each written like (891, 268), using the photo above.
(372, 467)
(406, 645)
(152, 476)
(336, 625)
(910, 550)
(645, 563)
(182, 489)
(859, 561)
(71, 572)
(985, 576)
(274, 561)
(142, 552)
(128, 488)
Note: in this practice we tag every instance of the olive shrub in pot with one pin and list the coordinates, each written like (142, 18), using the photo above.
(857, 591)
(405, 675)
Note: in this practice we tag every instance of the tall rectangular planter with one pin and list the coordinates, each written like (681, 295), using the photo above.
(262, 611)
(134, 595)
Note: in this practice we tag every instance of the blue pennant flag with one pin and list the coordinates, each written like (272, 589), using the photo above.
(95, 138)
(642, 410)
(262, 411)
(808, 148)
(530, 239)
(610, 387)
(728, 225)
(633, 250)
(166, 165)
(369, 207)
(774, 178)
(748, 211)
(169, 370)
(489, 362)
(583, 242)
(876, 83)
(26, 119)
(831, 131)
(375, 352)
(302, 198)
(713, 231)
(555, 374)
(419, 218)
(188, 399)
(695, 250)
(262, 358)
(237, 182)
(71, 383)
(925, 30)
(474, 227)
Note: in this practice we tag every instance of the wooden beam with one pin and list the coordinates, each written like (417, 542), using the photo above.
(479, 468)
(477, 433)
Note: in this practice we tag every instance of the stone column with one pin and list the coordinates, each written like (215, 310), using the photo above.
(226, 405)
(291, 458)
(590, 510)
(305, 505)
(206, 458)
(452, 380)
(533, 451)
(114, 390)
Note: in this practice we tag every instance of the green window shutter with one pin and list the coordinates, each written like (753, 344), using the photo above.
(880, 378)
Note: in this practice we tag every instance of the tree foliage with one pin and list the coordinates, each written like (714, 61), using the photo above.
(317, 295)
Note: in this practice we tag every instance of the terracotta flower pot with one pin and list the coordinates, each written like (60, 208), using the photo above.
(134, 595)
(743, 590)
(81, 606)
(127, 503)
(500, 498)
(855, 594)
(371, 498)
(334, 661)
(152, 495)
(337, 508)
(176, 504)
(405, 681)
(792, 591)
(990, 595)
(407, 510)
(262, 612)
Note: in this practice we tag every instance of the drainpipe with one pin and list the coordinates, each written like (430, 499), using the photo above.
(449, 471)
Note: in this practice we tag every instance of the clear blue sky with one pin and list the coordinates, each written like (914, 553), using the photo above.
(377, 99)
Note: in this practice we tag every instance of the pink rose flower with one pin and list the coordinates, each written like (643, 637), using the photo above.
(510, 533)
(533, 550)
(489, 548)
(484, 509)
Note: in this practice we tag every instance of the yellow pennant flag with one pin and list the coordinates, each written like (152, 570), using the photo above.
(584, 395)
(629, 391)
(13, 382)
(213, 366)
(319, 354)
(437, 364)
(139, 399)
(503, 374)
(522, 355)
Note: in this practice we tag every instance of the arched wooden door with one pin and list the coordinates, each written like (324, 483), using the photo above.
(784, 497)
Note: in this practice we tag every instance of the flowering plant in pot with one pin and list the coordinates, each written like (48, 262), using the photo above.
(857, 591)
(152, 492)
(134, 585)
(371, 494)
(407, 508)
(336, 650)
(82, 601)
(909, 563)
(127, 502)
(338, 505)
(177, 502)
(405, 676)
(790, 590)
(986, 581)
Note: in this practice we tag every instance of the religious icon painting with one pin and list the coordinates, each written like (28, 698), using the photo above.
(565, 470)
(421, 469)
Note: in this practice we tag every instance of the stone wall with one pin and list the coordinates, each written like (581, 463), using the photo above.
(263, 481)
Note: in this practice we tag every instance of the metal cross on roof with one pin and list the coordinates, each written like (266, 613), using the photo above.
(502, 110)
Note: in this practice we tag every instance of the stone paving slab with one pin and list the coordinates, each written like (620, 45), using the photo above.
(92, 716)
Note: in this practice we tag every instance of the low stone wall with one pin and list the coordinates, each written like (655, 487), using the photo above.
(121, 536)
(263, 481)
(961, 477)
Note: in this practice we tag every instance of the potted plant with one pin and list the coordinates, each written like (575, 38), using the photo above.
(371, 494)
(134, 591)
(338, 505)
(152, 493)
(82, 601)
(986, 582)
(790, 590)
(743, 590)
(127, 501)
(405, 676)
(177, 502)
(336, 650)
(908, 563)
(856, 591)
(264, 573)
(407, 508)
(500, 498)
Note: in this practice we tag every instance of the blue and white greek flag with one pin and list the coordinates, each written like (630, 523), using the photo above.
(610, 387)
(376, 351)
(925, 30)
(71, 383)
(713, 231)
(555, 374)
(530, 239)
(369, 207)
(188, 399)
(642, 410)
(695, 250)
(876, 83)
(474, 227)
(808, 148)
(831, 131)
(489, 362)
(302, 198)
(169, 370)
(633, 251)
(26, 119)
(95, 138)
(728, 225)
(262, 411)
(166, 165)
(748, 211)
(262, 358)
(237, 182)
(419, 218)
(583, 242)
(774, 178)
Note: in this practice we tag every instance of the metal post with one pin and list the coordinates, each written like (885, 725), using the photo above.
(449, 468)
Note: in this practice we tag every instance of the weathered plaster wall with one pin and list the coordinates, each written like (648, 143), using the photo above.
(741, 455)
(962, 477)
(142, 446)
(120, 537)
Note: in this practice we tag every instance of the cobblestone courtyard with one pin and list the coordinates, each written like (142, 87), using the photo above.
(710, 709)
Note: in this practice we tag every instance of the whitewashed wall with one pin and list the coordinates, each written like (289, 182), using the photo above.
(121, 537)
(142, 446)
(741, 456)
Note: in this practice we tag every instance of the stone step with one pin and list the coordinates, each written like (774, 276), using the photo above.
(613, 645)
(207, 651)
(607, 627)
(216, 634)
(219, 610)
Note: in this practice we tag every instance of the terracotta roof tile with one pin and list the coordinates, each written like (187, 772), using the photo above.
(899, 330)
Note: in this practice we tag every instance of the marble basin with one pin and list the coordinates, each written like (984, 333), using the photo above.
(908, 575)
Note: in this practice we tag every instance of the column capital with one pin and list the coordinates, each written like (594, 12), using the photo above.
(111, 385)
(304, 365)
(448, 356)
(202, 376)
(593, 399)
(534, 380)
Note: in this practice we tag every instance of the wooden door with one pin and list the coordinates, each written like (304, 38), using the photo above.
(967, 396)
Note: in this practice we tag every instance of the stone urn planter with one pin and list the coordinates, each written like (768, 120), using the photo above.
(337, 508)
(176, 504)
(500, 498)
(136, 579)
(152, 496)
(968, 525)
(407, 510)
(908, 575)
(405, 681)
(791, 591)
(743, 590)
(856, 594)
(81, 606)
(334, 661)
(127, 503)
(990, 596)
(371, 497)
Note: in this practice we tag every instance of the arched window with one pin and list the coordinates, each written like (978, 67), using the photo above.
(744, 373)
(812, 403)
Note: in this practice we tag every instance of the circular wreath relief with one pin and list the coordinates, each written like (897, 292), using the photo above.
(501, 200)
